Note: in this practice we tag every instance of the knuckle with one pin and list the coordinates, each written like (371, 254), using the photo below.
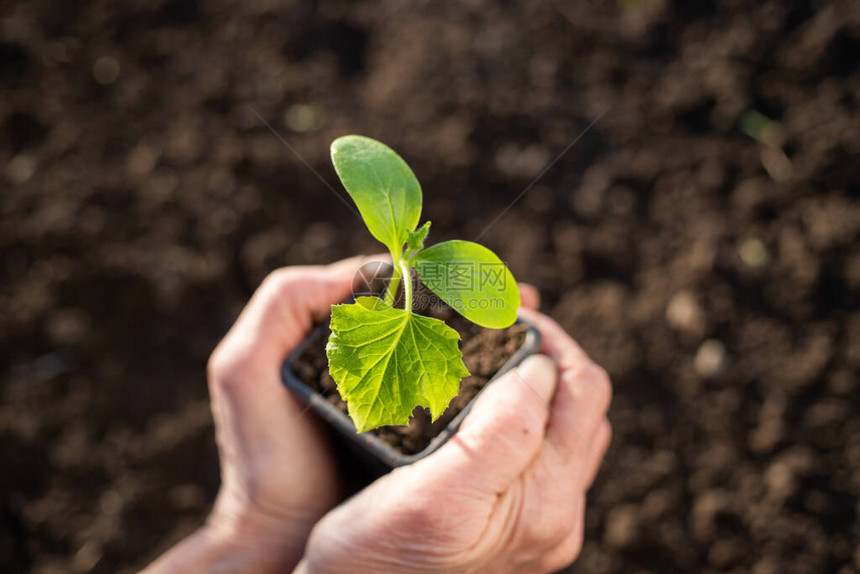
(227, 369)
(216, 364)
(289, 283)
(566, 553)
(602, 385)
(573, 547)
(602, 444)
(549, 531)
(579, 370)
(558, 518)
(604, 436)
(279, 281)
(561, 530)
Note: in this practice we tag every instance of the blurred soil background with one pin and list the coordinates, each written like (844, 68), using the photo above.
(701, 242)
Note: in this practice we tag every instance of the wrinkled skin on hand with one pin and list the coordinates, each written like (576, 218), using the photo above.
(506, 494)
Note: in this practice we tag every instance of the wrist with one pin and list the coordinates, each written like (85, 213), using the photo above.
(236, 539)
(229, 551)
(212, 549)
(256, 541)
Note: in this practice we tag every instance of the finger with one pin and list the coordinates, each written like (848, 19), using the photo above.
(571, 545)
(581, 399)
(580, 404)
(601, 440)
(529, 296)
(555, 343)
(503, 431)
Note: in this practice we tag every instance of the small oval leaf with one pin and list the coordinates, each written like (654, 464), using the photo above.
(472, 280)
(382, 185)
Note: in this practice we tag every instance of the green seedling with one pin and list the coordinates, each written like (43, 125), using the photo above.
(386, 360)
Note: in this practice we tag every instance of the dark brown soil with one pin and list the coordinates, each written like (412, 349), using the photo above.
(716, 277)
(485, 351)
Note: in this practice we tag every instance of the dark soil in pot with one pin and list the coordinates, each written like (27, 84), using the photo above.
(485, 351)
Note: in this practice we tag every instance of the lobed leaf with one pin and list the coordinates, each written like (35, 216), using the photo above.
(387, 361)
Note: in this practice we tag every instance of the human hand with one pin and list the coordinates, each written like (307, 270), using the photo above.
(505, 494)
(278, 475)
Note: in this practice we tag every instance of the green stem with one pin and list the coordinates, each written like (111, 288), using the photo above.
(391, 290)
(407, 284)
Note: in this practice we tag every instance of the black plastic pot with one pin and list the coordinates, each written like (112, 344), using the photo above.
(376, 455)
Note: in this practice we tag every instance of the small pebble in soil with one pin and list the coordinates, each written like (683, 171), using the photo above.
(521, 162)
(106, 70)
(622, 526)
(87, 557)
(776, 164)
(141, 160)
(754, 253)
(711, 360)
(21, 168)
(780, 481)
(302, 118)
(685, 314)
(707, 507)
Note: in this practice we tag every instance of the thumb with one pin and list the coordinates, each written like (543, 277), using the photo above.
(284, 308)
(244, 370)
(503, 431)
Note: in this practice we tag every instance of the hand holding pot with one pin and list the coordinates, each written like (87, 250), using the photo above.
(277, 472)
(506, 494)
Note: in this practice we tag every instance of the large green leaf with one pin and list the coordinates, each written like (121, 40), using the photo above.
(387, 361)
(472, 280)
(382, 186)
